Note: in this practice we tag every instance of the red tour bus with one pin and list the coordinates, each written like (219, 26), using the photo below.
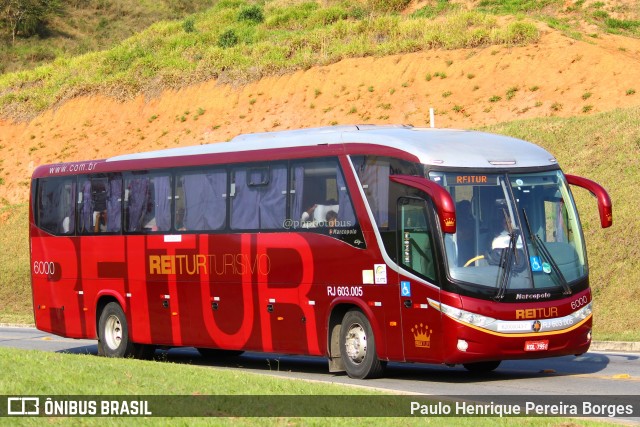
(363, 244)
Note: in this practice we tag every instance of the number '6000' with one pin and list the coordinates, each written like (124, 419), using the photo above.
(44, 267)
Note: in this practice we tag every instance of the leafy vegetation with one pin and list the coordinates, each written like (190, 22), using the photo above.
(235, 41)
(26, 17)
(35, 32)
(611, 17)
(14, 263)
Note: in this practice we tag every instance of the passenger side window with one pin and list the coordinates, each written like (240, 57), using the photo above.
(374, 177)
(319, 196)
(99, 203)
(416, 241)
(56, 205)
(258, 197)
(147, 202)
(201, 200)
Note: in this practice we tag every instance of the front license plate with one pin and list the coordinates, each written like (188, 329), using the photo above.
(541, 345)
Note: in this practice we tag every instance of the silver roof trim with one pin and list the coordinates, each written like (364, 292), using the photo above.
(445, 147)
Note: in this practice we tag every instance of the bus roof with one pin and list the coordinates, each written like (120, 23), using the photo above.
(446, 147)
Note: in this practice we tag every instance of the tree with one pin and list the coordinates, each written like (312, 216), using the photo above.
(24, 16)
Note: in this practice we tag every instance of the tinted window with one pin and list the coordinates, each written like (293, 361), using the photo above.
(147, 202)
(258, 197)
(416, 242)
(100, 203)
(201, 200)
(55, 205)
(319, 196)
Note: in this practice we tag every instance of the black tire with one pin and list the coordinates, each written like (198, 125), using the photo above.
(144, 351)
(215, 353)
(482, 367)
(358, 347)
(113, 333)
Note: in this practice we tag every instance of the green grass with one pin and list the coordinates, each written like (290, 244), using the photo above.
(86, 49)
(30, 373)
(571, 17)
(15, 283)
(514, 7)
(221, 45)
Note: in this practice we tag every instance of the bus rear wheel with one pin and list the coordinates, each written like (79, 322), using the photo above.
(113, 334)
(481, 367)
(358, 347)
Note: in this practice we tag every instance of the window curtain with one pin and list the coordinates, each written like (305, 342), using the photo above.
(273, 199)
(162, 194)
(69, 208)
(244, 205)
(114, 202)
(86, 212)
(205, 205)
(259, 206)
(376, 177)
(137, 203)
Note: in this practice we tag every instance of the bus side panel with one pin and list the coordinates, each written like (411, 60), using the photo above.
(150, 306)
(219, 291)
(422, 330)
(58, 300)
(103, 273)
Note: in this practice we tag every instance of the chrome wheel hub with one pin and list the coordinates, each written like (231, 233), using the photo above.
(356, 343)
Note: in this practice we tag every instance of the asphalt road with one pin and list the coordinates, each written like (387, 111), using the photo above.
(594, 373)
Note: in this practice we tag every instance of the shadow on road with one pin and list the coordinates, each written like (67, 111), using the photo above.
(588, 363)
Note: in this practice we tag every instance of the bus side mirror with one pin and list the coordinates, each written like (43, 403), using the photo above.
(441, 199)
(604, 201)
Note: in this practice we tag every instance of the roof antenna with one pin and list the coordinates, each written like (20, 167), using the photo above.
(432, 121)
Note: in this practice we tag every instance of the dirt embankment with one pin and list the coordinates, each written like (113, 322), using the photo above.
(558, 76)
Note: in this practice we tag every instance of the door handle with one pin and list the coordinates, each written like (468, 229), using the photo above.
(408, 303)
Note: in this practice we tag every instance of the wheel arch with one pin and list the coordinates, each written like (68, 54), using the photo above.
(101, 303)
(334, 324)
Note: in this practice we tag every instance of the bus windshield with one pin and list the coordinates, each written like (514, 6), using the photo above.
(514, 231)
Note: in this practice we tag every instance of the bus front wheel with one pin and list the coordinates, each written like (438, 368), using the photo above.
(358, 350)
(113, 333)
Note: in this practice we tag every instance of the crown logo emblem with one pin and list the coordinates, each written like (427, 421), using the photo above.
(422, 335)
(449, 222)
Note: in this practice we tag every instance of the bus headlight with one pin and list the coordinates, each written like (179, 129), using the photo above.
(584, 312)
(464, 316)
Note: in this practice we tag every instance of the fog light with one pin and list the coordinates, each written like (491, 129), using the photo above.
(589, 335)
(463, 345)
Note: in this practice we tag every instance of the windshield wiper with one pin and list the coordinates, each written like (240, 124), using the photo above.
(508, 256)
(542, 249)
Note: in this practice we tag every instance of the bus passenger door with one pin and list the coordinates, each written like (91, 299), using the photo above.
(421, 324)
